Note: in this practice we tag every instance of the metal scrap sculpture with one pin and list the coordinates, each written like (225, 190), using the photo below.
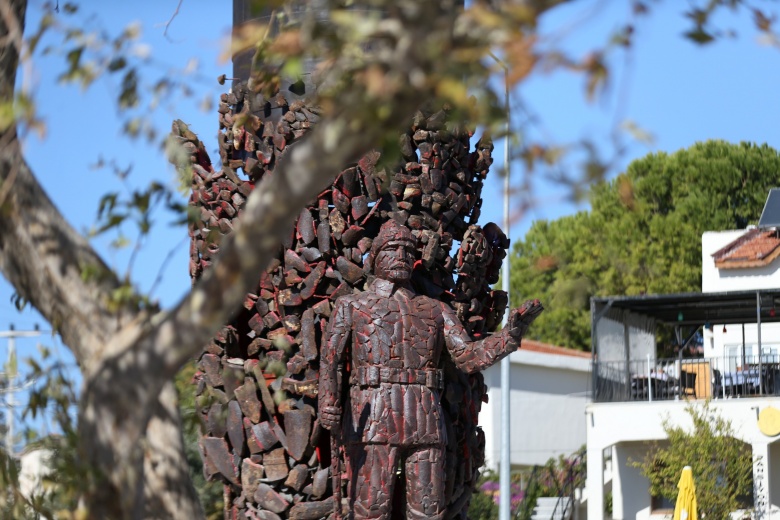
(392, 340)
(259, 379)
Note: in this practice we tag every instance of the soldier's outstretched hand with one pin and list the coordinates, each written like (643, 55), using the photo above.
(522, 317)
(330, 417)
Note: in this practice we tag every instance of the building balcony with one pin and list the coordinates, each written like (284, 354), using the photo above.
(674, 379)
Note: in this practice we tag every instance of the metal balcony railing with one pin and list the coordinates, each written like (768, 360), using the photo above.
(676, 378)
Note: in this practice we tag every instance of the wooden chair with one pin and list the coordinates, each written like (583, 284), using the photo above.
(687, 384)
(717, 383)
(639, 388)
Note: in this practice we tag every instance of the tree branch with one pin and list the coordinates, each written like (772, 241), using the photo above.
(47, 262)
(57, 271)
(170, 21)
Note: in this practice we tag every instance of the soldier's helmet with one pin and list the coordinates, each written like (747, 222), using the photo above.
(390, 232)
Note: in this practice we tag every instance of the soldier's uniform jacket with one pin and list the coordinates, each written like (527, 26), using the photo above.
(393, 339)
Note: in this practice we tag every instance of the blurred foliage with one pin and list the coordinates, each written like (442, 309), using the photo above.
(556, 478)
(483, 505)
(486, 500)
(722, 464)
(45, 480)
(140, 84)
(53, 490)
(210, 492)
(642, 235)
(494, 38)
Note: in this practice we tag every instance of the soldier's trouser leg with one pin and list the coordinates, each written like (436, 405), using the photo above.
(425, 483)
(372, 480)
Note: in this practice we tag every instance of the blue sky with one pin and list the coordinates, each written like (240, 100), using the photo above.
(678, 92)
(83, 126)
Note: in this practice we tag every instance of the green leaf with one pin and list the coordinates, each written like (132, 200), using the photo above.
(699, 35)
(128, 97)
(117, 63)
(292, 68)
(120, 242)
(113, 221)
(43, 351)
(133, 127)
(7, 115)
(107, 203)
(74, 57)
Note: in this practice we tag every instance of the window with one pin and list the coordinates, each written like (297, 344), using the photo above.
(661, 505)
(769, 353)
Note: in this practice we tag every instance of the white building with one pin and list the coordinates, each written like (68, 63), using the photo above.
(739, 370)
(734, 273)
(548, 394)
(731, 270)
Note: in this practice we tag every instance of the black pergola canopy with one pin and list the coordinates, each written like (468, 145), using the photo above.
(698, 308)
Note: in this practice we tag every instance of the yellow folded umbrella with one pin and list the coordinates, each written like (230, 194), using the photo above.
(685, 509)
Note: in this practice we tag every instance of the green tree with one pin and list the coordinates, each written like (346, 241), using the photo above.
(722, 465)
(642, 235)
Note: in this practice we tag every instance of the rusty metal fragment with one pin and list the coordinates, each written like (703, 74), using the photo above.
(251, 476)
(297, 477)
(235, 427)
(275, 465)
(298, 426)
(311, 510)
(266, 497)
(217, 453)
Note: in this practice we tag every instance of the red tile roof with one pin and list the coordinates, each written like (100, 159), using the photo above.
(530, 345)
(756, 248)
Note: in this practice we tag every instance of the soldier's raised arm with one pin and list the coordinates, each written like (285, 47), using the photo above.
(332, 358)
(474, 356)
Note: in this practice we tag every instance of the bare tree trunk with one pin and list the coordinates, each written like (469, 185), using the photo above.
(167, 485)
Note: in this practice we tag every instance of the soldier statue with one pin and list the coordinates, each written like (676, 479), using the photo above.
(388, 341)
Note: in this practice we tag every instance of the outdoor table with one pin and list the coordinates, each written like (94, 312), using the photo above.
(739, 382)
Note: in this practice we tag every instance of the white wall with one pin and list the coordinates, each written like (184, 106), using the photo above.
(34, 467)
(721, 280)
(718, 344)
(547, 407)
(629, 505)
(774, 466)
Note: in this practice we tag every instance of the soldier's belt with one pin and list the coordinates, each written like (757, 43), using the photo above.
(373, 376)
